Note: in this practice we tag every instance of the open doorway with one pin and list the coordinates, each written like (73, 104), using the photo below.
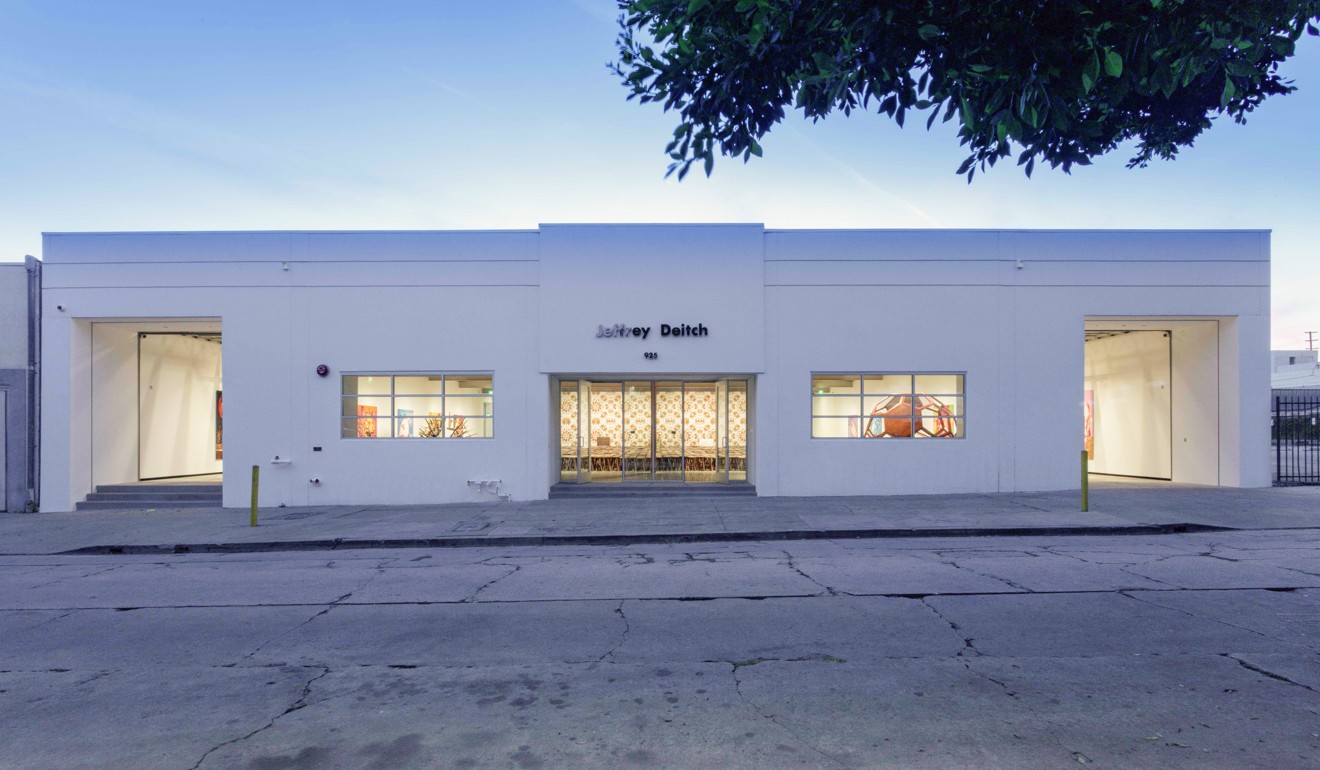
(1150, 399)
(157, 402)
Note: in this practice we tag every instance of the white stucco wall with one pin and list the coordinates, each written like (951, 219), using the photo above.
(1008, 308)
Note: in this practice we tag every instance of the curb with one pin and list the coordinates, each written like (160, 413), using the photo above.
(342, 544)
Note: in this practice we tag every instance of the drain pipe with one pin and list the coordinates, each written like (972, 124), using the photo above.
(490, 485)
(34, 382)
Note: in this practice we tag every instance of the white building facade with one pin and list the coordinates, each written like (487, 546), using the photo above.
(434, 367)
(1294, 369)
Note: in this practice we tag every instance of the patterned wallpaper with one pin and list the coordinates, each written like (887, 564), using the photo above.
(568, 406)
(607, 417)
(637, 417)
(738, 418)
(669, 417)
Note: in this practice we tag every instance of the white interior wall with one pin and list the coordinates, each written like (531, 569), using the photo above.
(114, 415)
(71, 429)
(1196, 404)
(1129, 375)
(177, 383)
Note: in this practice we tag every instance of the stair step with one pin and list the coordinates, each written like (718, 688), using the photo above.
(130, 496)
(137, 505)
(150, 489)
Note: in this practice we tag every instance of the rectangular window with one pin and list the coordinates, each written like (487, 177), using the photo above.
(887, 405)
(417, 406)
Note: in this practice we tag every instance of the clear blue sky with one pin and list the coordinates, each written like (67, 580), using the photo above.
(273, 114)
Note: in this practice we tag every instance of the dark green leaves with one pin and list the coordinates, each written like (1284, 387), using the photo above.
(1113, 64)
(1061, 82)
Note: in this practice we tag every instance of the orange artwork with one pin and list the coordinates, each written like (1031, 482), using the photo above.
(219, 425)
(896, 418)
(366, 424)
(458, 427)
(1088, 424)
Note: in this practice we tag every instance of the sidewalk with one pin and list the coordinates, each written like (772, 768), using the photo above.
(1116, 508)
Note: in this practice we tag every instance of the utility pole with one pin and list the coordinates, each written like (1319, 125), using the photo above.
(1310, 340)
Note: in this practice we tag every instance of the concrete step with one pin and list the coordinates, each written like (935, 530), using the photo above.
(609, 490)
(130, 496)
(137, 497)
(147, 489)
(143, 504)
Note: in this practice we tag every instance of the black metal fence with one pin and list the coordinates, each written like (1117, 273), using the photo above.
(1295, 435)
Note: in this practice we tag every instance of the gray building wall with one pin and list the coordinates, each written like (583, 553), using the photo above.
(15, 326)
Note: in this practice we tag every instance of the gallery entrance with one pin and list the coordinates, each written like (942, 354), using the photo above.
(690, 431)
(1150, 399)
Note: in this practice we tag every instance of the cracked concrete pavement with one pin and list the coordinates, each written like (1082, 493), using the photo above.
(1115, 506)
(1195, 650)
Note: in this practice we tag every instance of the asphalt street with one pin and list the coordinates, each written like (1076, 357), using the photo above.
(1196, 651)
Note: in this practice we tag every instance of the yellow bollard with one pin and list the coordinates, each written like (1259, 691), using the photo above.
(1085, 481)
(256, 473)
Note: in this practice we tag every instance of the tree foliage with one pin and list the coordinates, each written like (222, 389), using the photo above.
(1060, 81)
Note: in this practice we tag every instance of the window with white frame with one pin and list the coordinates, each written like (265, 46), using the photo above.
(417, 406)
(887, 405)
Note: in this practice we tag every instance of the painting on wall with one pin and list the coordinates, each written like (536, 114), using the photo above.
(1088, 423)
(219, 425)
(405, 423)
(366, 424)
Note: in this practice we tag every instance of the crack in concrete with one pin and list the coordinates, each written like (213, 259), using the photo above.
(792, 564)
(92, 678)
(569, 600)
(633, 560)
(300, 703)
(1190, 614)
(1018, 699)
(283, 634)
(623, 638)
(1032, 507)
(773, 718)
(1299, 571)
(1138, 575)
(85, 576)
(47, 621)
(988, 576)
(969, 643)
(380, 570)
(472, 597)
(1266, 672)
(966, 661)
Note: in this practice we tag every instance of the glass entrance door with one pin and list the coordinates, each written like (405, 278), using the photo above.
(694, 431)
(699, 418)
(668, 431)
(638, 429)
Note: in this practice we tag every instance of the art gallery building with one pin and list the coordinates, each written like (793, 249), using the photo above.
(435, 367)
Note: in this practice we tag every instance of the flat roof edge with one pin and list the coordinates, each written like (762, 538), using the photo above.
(1049, 230)
(768, 230)
(68, 233)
